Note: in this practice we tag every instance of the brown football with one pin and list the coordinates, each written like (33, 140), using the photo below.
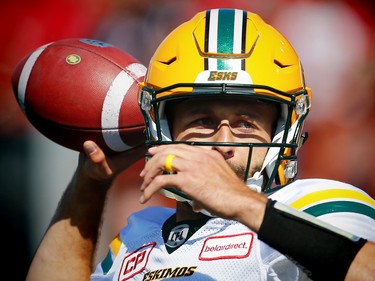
(75, 90)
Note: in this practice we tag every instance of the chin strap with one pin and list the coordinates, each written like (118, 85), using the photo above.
(173, 193)
(255, 182)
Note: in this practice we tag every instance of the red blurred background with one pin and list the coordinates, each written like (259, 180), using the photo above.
(335, 41)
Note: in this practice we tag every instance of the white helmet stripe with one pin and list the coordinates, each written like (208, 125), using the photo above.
(238, 32)
(212, 38)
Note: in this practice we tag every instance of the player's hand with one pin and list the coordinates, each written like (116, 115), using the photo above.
(99, 166)
(202, 174)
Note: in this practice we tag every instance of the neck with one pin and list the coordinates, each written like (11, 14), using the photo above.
(185, 212)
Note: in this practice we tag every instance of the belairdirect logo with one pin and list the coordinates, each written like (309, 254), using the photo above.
(236, 246)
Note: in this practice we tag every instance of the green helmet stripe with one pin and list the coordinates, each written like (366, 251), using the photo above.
(224, 35)
(341, 206)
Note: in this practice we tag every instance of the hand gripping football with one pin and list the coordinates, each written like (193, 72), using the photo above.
(75, 90)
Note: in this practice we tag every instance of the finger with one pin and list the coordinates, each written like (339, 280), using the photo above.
(196, 206)
(159, 182)
(93, 152)
(110, 165)
(156, 166)
(186, 158)
(97, 165)
(159, 154)
(154, 186)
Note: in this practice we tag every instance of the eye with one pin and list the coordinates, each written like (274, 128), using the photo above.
(203, 122)
(244, 126)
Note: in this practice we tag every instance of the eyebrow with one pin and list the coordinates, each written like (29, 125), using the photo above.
(197, 108)
(200, 109)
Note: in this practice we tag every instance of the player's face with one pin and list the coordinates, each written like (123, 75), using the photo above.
(226, 120)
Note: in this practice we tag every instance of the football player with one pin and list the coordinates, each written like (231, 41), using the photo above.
(224, 102)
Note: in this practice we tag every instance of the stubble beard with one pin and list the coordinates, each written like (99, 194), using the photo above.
(240, 171)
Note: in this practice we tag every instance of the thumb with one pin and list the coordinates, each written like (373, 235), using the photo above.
(96, 161)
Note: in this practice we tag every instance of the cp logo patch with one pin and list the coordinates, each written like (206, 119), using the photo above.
(135, 262)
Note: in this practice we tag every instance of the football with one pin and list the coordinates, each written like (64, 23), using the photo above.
(75, 90)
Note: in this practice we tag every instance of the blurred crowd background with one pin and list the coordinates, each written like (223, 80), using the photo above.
(334, 39)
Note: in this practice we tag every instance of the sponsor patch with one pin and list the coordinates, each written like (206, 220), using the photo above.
(178, 235)
(235, 246)
(135, 262)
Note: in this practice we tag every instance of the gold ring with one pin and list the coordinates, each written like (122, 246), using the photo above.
(168, 163)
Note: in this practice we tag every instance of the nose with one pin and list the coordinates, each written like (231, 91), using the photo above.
(224, 134)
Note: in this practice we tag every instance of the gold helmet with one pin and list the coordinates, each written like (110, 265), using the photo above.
(231, 52)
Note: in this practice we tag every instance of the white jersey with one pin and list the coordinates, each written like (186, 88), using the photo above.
(227, 250)
(336, 203)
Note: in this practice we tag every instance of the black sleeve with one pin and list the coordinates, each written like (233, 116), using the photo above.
(323, 251)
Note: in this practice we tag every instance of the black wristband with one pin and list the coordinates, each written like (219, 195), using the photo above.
(324, 252)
